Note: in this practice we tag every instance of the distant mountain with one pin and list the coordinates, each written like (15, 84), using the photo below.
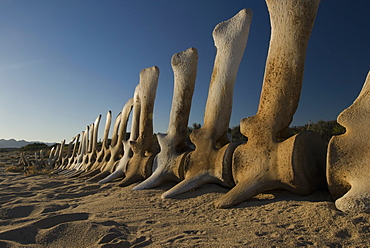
(12, 143)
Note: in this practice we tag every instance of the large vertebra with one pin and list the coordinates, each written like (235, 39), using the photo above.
(168, 164)
(348, 167)
(211, 159)
(139, 166)
(264, 163)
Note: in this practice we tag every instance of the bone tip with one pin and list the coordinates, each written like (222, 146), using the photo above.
(220, 205)
(153, 69)
(182, 57)
(138, 187)
(238, 22)
(166, 195)
(353, 204)
(245, 13)
(191, 50)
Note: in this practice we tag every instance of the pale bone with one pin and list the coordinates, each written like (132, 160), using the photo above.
(127, 155)
(70, 156)
(73, 162)
(76, 151)
(210, 162)
(348, 160)
(116, 147)
(51, 154)
(55, 156)
(65, 159)
(24, 161)
(60, 154)
(78, 162)
(139, 167)
(263, 163)
(90, 156)
(102, 156)
(76, 147)
(39, 162)
(80, 154)
(75, 168)
(169, 162)
(98, 167)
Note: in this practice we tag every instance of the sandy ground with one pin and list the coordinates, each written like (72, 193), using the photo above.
(43, 211)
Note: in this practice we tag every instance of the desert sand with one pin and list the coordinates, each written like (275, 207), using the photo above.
(54, 211)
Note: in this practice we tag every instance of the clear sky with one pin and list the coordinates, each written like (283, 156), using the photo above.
(62, 63)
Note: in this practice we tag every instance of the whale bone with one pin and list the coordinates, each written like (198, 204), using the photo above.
(127, 155)
(210, 162)
(169, 162)
(348, 161)
(264, 162)
(116, 146)
(139, 166)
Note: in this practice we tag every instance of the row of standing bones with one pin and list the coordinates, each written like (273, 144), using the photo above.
(271, 159)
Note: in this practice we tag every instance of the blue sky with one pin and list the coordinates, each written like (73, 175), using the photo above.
(62, 63)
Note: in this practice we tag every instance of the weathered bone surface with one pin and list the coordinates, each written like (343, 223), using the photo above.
(40, 162)
(348, 161)
(24, 161)
(139, 167)
(104, 163)
(70, 156)
(210, 162)
(82, 149)
(168, 163)
(91, 155)
(55, 156)
(264, 163)
(70, 153)
(269, 160)
(103, 155)
(116, 147)
(86, 154)
(127, 155)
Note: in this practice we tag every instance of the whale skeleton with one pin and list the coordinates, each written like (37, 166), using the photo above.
(270, 159)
